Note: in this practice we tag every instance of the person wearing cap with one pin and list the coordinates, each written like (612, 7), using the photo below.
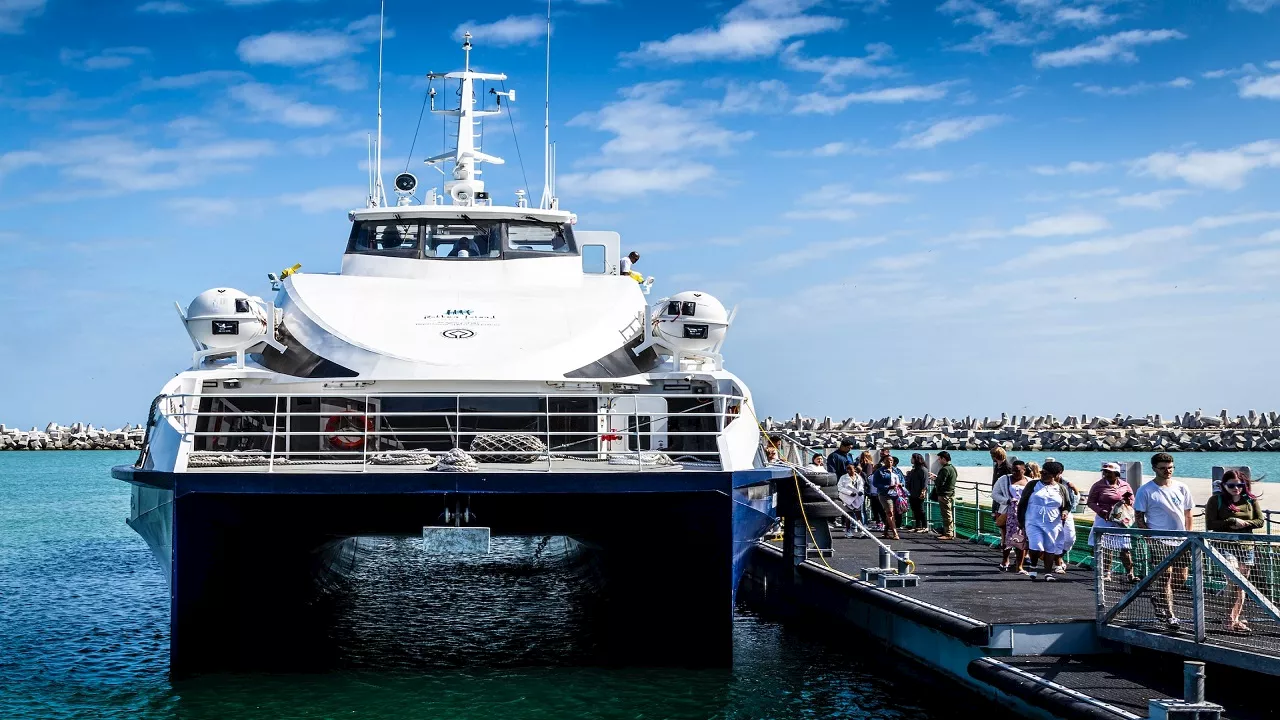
(1105, 494)
(624, 266)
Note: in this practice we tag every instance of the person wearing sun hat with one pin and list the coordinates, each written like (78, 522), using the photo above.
(1103, 497)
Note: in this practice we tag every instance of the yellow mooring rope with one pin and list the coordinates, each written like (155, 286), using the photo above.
(795, 476)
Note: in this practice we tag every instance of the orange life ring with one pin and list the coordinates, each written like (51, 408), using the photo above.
(347, 423)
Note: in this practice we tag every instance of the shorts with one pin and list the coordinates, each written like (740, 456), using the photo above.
(1161, 548)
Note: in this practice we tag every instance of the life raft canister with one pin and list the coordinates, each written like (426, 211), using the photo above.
(347, 423)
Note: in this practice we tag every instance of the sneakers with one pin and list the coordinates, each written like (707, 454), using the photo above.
(1032, 575)
(1050, 578)
(848, 534)
(1061, 569)
(1004, 567)
(946, 537)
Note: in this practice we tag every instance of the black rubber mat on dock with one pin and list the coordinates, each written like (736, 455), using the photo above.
(1128, 680)
(963, 577)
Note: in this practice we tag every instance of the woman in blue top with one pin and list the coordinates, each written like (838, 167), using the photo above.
(884, 482)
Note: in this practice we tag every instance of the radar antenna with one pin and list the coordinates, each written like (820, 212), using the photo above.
(466, 188)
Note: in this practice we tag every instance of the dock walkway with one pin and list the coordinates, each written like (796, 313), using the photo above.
(964, 578)
(1030, 639)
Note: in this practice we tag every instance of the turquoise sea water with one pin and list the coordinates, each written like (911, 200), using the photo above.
(84, 633)
(1187, 464)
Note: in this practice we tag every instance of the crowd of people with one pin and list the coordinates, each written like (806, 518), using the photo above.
(1034, 508)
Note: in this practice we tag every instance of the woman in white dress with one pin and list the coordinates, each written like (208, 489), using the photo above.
(1043, 514)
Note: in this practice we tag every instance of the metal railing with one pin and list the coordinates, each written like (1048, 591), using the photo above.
(363, 431)
(1208, 595)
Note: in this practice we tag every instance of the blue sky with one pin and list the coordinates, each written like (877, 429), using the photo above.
(966, 206)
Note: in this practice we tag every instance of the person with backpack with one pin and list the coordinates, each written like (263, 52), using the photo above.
(1043, 514)
(1234, 509)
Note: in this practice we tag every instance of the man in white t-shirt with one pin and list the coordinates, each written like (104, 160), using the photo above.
(624, 265)
(1164, 504)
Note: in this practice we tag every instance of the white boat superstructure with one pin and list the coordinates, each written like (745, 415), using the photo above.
(452, 319)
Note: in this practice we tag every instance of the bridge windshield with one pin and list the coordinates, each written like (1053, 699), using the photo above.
(460, 239)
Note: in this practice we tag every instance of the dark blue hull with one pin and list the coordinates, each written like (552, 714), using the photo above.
(246, 553)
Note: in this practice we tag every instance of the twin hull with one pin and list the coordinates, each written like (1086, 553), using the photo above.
(245, 554)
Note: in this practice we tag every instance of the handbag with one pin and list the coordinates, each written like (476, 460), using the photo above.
(1002, 519)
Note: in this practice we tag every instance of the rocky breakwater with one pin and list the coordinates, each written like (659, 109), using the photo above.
(76, 437)
(1189, 432)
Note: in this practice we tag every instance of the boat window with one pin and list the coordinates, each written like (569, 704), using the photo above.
(463, 240)
(389, 238)
(538, 237)
(594, 259)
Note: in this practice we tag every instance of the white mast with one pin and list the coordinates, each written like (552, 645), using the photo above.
(380, 195)
(548, 178)
(466, 188)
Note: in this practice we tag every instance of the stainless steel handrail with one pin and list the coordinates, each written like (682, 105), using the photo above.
(261, 432)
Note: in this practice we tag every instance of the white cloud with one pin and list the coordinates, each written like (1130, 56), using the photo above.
(1075, 167)
(836, 202)
(13, 13)
(205, 207)
(295, 48)
(945, 131)
(1220, 169)
(510, 30)
(1180, 83)
(752, 29)
(752, 97)
(1258, 6)
(928, 176)
(1149, 236)
(622, 182)
(841, 194)
(1266, 86)
(647, 131)
(822, 103)
(314, 47)
(195, 79)
(829, 250)
(120, 164)
(903, 263)
(1090, 16)
(1106, 48)
(1157, 200)
(645, 124)
(108, 59)
(1060, 225)
(831, 149)
(163, 7)
(327, 199)
(269, 104)
(835, 69)
(995, 29)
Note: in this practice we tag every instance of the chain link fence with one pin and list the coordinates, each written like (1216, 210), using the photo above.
(1169, 588)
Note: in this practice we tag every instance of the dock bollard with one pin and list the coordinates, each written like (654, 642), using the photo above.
(904, 562)
(1193, 681)
(886, 558)
(1192, 706)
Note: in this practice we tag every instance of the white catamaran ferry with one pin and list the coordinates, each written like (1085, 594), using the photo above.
(473, 369)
